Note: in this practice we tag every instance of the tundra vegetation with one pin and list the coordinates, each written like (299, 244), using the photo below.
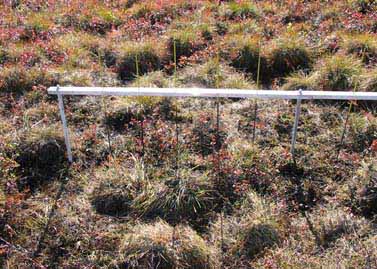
(171, 182)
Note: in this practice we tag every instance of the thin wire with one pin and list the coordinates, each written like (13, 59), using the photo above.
(217, 147)
(348, 116)
(255, 100)
(176, 114)
(108, 130)
(140, 107)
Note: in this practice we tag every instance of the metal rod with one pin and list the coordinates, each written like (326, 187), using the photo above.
(215, 93)
(65, 128)
(294, 131)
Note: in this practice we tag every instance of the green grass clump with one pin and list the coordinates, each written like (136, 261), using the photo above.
(363, 45)
(369, 81)
(289, 55)
(242, 10)
(145, 56)
(213, 75)
(189, 197)
(364, 191)
(339, 73)
(18, 79)
(156, 79)
(160, 245)
(362, 132)
(300, 80)
(41, 157)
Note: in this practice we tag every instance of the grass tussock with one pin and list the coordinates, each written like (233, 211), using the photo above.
(41, 157)
(369, 81)
(301, 80)
(17, 79)
(248, 234)
(189, 197)
(160, 245)
(331, 224)
(362, 133)
(363, 191)
(213, 74)
(137, 60)
(363, 46)
(289, 54)
(339, 73)
(240, 10)
(186, 42)
(245, 54)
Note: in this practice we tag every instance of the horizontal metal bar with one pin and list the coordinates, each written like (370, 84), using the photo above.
(215, 93)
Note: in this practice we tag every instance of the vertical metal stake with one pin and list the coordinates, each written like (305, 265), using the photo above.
(294, 131)
(65, 128)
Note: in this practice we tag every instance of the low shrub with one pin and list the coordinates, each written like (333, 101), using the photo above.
(35, 24)
(338, 73)
(206, 139)
(118, 120)
(128, 111)
(221, 28)
(159, 245)
(41, 157)
(247, 160)
(147, 57)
